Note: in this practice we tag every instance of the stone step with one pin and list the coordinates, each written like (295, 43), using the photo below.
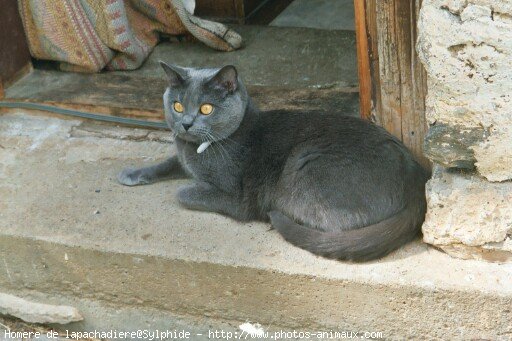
(68, 229)
(107, 321)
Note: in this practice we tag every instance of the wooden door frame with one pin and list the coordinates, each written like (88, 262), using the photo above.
(392, 81)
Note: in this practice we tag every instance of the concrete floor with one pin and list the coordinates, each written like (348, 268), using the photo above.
(321, 14)
(282, 68)
(272, 56)
(67, 228)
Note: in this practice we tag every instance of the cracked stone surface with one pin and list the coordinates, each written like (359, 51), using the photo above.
(450, 145)
(466, 47)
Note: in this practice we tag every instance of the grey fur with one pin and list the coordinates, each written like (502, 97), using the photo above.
(335, 185)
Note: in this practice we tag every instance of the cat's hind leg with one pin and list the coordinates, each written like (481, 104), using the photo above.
(202, 196)
(169, 169)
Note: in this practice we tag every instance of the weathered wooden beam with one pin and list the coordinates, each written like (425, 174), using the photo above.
(398, 79)
(373, 52)
(413, 80)
(363, 58)
(389, 67)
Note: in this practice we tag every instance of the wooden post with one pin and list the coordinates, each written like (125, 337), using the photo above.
(398, 80)
(363, 58)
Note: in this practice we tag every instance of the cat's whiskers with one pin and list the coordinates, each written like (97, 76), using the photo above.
(226, 141)
(228, 146)
(215, 145)
(224, 150)
(207, 137)
(204, 141)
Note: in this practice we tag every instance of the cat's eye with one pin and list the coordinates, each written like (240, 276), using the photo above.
(206, 109)
(178, 107)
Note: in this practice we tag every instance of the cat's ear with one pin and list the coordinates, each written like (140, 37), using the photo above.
(175, 74)
(225, 79)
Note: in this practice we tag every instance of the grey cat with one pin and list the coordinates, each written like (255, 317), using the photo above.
(335, 185)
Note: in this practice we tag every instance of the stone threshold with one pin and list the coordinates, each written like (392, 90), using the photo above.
(68, 229)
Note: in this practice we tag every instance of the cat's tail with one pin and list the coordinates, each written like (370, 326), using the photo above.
(362, 244)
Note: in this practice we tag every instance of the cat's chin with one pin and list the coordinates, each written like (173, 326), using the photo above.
(189, 137)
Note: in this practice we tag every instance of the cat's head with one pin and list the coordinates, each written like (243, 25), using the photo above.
(204, 104)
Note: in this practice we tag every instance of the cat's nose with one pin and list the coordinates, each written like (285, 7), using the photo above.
(186, 125)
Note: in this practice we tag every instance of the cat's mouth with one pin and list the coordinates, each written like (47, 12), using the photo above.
(189, 136)
(202, 142)
(195, 139)
(194, 135)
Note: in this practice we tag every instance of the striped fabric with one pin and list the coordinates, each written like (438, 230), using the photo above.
(92, 35)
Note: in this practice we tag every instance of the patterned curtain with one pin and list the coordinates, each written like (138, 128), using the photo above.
(92, 35)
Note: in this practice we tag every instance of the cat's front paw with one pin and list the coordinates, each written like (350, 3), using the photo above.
(131, 177)
(194, 197)
(187, 196)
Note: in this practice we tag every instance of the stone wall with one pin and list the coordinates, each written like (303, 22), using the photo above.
(466, 48)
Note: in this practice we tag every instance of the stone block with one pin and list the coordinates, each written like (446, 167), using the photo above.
(466, 48)
(468, 216)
